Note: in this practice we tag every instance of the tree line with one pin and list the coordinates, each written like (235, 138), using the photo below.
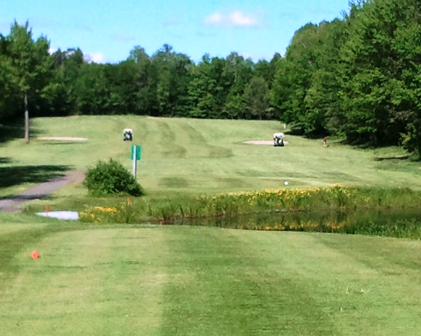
(357, 77)
(166, 83)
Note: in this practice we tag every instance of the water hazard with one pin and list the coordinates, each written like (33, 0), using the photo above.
(403, 223)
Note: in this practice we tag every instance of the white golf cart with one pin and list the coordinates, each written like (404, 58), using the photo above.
(127, 134)
(278, 139)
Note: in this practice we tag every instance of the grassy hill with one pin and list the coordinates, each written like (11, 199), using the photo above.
(198, 156)
(106, 279)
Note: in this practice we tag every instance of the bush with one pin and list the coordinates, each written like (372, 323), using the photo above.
(108, 178)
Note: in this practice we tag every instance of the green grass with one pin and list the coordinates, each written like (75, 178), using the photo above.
(189, 156)
(99, 279)
(206, 281)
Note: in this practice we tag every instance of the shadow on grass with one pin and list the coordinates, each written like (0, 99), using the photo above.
(16, 175)
(15, 130)
(11, 132)
(5, 160)
(396, 157)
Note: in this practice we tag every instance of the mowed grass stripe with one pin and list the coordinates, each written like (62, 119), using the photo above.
(237, 287)
(208, 281)
(198, 164)
(203, 136)
(13, 239)
(248, 283)
(168, 139)
(162, 156)
(217, 156)
(390, 302)
(91, 282)
(355, 291)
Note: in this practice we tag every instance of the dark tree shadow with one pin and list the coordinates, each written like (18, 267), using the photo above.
(5, 160)
(11, 132)
(16, 175)
(15, 130)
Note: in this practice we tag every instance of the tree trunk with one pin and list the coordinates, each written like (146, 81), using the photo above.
(26, 120)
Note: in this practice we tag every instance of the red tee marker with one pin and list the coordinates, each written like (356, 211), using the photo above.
(35, 255)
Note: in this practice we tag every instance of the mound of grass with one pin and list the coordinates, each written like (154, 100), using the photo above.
(195, 157)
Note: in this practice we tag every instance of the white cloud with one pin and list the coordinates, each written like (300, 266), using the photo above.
(243, 20)
(233, 19)
(97, 57)
(52, 51)
(215, 19)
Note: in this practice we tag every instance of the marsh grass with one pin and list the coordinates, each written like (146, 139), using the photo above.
(174, 210)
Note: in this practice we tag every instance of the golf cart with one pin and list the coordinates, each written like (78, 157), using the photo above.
(127, 134)
(278, 139)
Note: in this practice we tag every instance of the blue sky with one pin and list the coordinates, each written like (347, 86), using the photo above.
(108, 29)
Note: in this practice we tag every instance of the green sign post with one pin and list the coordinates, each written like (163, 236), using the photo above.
(135, 155)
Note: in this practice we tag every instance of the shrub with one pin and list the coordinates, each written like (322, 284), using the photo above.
(108, 178)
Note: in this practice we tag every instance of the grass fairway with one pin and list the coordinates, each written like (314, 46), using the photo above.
(193, 156)
(168, 280)
(206, 281)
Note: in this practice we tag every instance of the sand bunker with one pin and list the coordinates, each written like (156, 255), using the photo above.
(62, 139)
(261, 142)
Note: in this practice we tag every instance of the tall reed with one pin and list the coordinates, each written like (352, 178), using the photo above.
(172, 210)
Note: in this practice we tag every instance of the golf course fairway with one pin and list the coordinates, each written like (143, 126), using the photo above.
(166, 280)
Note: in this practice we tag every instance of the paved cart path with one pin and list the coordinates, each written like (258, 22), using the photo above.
(40, 191)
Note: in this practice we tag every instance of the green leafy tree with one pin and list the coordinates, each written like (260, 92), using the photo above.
(236, 75)
(27, 68)
(172, 70)
(66, 66)
(6, 92)
(306, 85)
(206, 93)
(266, 69)
(293, 78)
(381, 73)
(256, 98)
(145, 82)
(322, 101)
(92, 91)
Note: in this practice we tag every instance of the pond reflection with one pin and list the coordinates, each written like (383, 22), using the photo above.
(403, 223)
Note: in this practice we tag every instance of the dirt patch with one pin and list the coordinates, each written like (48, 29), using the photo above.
(62, 139)
(75, 177)
(261, 142)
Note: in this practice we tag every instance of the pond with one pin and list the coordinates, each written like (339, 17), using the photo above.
(65, 215)
(392, 223)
